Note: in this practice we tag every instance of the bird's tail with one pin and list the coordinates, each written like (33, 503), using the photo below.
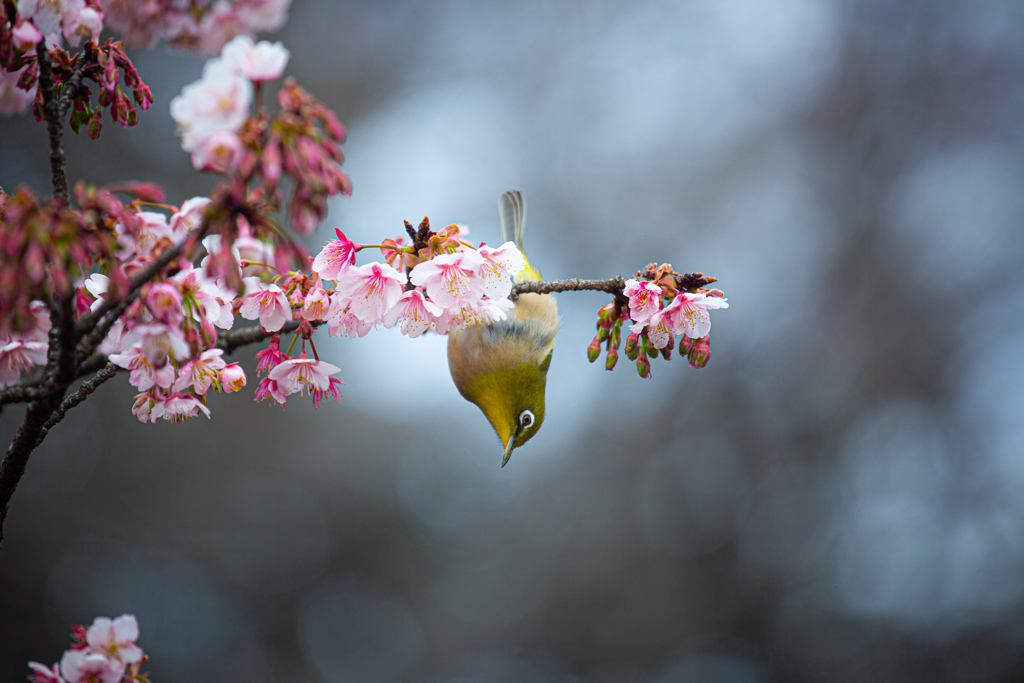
(512, 209)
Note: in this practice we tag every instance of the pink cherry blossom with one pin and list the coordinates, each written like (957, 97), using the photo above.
(177, 408)
(688, 313)
(416, 313)
(159, 342)
(316, 304)
(214, 298)
(451, 280)
(301, 375)
(139, 234)
(219, 101)
(115, 637)
(498, 267)
(25, 36)
(269, 389)
(268, 303)
(261, 61)
(87, 666)
(335, 258)
(372, 290)
(270, 357)
(340, 318)
(232, 378)
(644, 299)
(17, 355)
(188, 217)
(43, 674)
(14, 100)
(143, 374)
(164, 301)
(199, 374)
(221, 152)
(331, 394)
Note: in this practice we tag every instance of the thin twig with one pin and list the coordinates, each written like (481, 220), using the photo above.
(74, 83)
(87, 387)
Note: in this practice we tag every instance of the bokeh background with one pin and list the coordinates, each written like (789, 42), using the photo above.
(838, 496)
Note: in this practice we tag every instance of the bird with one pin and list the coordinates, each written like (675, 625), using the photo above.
(502, 367)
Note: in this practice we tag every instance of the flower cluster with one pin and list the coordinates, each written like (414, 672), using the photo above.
(198, 25)
(106, 65)
(167, 337)
(661, 305)
(302, 141)
(105, 652)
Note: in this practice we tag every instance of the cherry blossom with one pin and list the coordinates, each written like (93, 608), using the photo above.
(688, 313)
(335, 258)
(261, 61)
(188, 217)
(497, 268)
(332, 393)
(340, 318)
(164, 301)
(14, 100)
(25, 36)
(644, 299)
(219, 101)
(158, 342)
(86, 666)
(372, 290)
(451, 280)
(200, 374)
(43, 674)
(116, 637)
(17, 355)
(301, 375)
(140, 233)
(177, 408)
(143, 374)
(316, 304)
(221, 152)
(270, 357)
(268, 303)
(416, 313)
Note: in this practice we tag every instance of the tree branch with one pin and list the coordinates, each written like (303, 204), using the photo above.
(52, 111)
(612, 285)
(90, 385)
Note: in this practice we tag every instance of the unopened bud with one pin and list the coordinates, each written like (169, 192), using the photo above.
(632, 346)
(603, 333)
(700, 351)
(611, 359)
(643, 367)
(617, 333)
(666, 352)
(594, 350)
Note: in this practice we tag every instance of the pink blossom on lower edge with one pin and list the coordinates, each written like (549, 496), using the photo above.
(86, 666)
(301, 375)
(232, 378)
(177, 408)
(115, 637)
(201, 373)
(266, 302)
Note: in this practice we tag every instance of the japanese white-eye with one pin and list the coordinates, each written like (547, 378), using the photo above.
(503, 367)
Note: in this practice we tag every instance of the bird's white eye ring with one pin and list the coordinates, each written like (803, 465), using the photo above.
(526, 419)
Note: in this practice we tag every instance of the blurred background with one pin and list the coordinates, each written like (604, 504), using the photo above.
(838, 496)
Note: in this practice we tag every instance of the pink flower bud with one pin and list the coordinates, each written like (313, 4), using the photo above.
(164, 302)
(232, 378)
(632, 348)
(143, 96)
(611, 359)
(643, 367)
(594, 350)
(700, 352)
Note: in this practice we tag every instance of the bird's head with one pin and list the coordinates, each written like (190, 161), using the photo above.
(513, 401)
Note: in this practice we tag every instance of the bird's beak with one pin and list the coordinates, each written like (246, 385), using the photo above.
(508, 449)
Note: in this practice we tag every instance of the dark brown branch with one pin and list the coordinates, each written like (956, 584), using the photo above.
(87, 387)
(20, 394)
(233, 339)
(52, 112)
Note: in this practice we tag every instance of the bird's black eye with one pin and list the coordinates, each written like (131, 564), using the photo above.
(525, 419)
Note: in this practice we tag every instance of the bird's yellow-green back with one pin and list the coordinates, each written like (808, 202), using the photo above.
(502, 367)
